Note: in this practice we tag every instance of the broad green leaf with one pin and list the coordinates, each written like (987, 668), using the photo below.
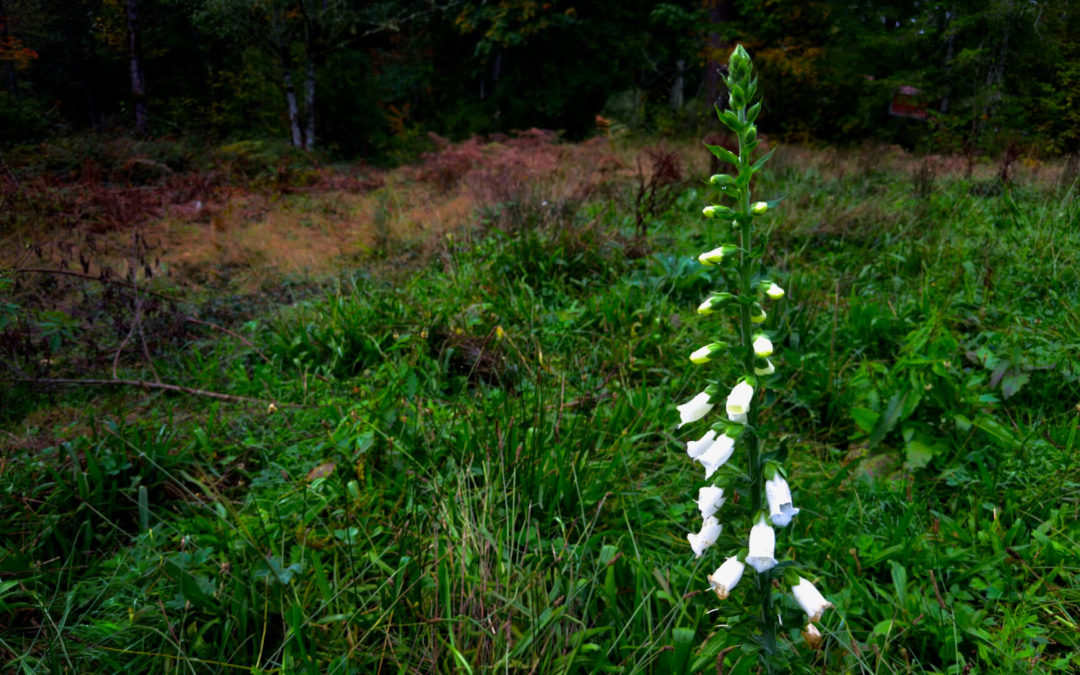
(723, 153)
(918, 454)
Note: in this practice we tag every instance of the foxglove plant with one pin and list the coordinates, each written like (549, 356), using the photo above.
(735, 448)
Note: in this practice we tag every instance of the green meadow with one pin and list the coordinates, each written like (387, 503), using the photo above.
(457, 451)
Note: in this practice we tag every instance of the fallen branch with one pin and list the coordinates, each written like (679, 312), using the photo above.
(90, 277)
(144, 384)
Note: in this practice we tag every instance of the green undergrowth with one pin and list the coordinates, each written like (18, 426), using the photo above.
(474, 467)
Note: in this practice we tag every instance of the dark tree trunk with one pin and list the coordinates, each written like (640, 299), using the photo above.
(294, 112)
(720, 12)
(309, 104)
(9, 67)
(138, 83)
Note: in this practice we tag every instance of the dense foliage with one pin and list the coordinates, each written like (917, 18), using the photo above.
(471, 463)
(372, 78)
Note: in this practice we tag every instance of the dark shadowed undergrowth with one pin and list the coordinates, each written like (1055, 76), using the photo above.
(470, 466)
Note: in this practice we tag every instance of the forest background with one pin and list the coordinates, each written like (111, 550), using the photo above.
(369, 80)
(346, 337)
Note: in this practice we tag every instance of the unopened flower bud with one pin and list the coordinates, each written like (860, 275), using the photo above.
(706, 353)
(772, 290)
(759, 208)
(715, 302)
(717, 255)
(721, 179)
(757, 314)
(763, 367)
(717, 211)
(762, 346)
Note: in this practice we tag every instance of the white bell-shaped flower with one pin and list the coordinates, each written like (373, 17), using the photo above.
(725, 577)
(810, 599)
(778, 495)
(717, 454)
(696, 448)
(710, 499)
(767, 369)
(694, 409)
(737, 418)
(710, 531)
(762, 547)
(762, 346)
(738, 401)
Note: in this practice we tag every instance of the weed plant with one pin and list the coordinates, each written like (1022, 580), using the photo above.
(467, 469)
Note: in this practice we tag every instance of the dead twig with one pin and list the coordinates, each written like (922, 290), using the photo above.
(145, 384)
(91, 277)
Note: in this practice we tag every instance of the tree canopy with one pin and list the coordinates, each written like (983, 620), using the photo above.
(370, 79)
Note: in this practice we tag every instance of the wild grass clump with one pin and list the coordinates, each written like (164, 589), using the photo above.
(467, 464)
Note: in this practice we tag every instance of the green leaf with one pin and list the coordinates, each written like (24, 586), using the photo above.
(723, 153)
(918, 454)
(1013, 382)
(730, 120)
(865, 418)
(888, 420)
(899, 580)
(760, 163)
(752, 113)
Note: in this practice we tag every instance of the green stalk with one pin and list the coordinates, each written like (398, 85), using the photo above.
(755, 465)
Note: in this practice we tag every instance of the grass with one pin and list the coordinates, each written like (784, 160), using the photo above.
(471, 464)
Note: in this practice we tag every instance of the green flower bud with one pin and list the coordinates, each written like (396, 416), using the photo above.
(717, 211)
(759, 208)
(757, 314)
(708, 352)
(717, 255)
(722, 179)
(771, 290)
(715, 302)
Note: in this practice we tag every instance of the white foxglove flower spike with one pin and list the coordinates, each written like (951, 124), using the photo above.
(762, 556)
(695, 408)
(717, 454)
(778, 494)
(696, 448)
(762, 346)
(710, 531)
(725, 577)
(710, 499)
(810, 599)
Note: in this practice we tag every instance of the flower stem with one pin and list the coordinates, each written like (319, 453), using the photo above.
(754, 460)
